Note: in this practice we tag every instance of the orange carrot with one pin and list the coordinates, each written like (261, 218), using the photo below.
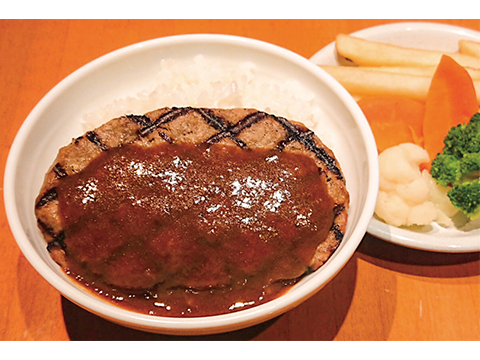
(451, 100)
(394, 119)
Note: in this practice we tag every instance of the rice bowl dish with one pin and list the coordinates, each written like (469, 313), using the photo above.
(121, 83)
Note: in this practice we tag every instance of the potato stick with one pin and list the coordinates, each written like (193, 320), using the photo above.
(476, 84)
(362, 82)
(411, 70)
(369, 53)
(469, 47)
(418, 70)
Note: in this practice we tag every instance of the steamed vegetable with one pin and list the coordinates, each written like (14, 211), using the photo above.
(466, 197)
(408, 196)
(458, 165)
(394, 120)
(451, 101)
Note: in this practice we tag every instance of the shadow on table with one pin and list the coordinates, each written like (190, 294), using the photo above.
(318, 318)
(418, 262)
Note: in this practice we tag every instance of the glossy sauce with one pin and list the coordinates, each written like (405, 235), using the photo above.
(187, 230)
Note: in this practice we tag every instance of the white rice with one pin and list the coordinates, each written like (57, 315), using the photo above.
(208, 82)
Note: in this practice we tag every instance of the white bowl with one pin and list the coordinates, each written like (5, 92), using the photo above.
(56, 120)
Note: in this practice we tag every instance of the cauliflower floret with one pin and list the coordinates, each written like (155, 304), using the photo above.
(415, 192)
(407, 195)
(439, 195)
(392, 209)
(400, 164)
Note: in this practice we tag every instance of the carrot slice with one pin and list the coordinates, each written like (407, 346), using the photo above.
(451, 100)
(394, 119)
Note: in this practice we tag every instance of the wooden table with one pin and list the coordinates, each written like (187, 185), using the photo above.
(385, 292)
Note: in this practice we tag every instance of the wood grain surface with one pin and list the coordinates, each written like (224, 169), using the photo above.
(385, 292)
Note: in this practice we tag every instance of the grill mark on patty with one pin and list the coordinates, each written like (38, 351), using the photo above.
(220, 124)
(239, 142)
(338, 209)
(165, 137)
(46, 228)
(309, 143)
(338, 233)
(236, 129)
(47, 197)
(165, 118)
(59, 170)
(141, 120)
(78, 139)
(306, 138)
(58, 241)
(93, 137)
(215, 121)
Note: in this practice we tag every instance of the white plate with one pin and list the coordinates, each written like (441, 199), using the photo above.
(426, 36)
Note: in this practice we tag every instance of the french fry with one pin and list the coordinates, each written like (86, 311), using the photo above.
(359, 81)
(369, 53)
(419, 70)
(469, 47)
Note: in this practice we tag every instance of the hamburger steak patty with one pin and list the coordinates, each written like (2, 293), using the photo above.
(244, 131)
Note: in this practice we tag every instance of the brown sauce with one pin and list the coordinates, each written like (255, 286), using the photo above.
(186, 230)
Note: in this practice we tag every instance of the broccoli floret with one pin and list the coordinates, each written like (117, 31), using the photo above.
(464, 138)
(459, 166)
(474, 125)
(446, 169)
(455, 141)
(470, 166)
(466, 197)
